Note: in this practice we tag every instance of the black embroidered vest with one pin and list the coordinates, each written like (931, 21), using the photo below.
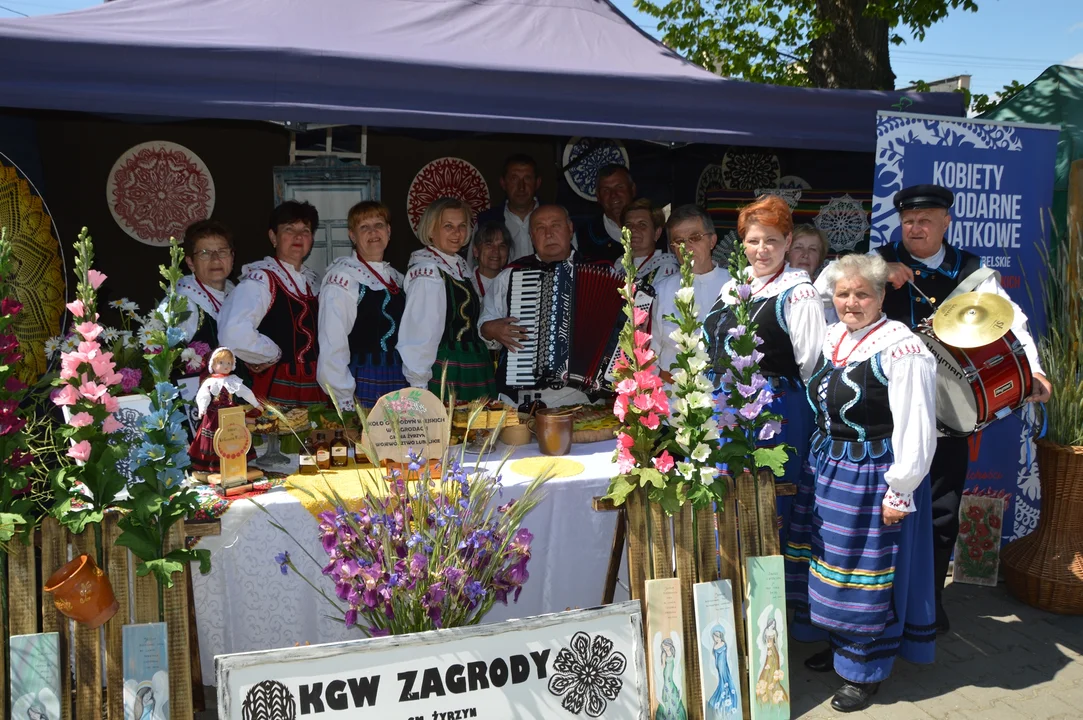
(206, 328)
(906, 305)
(376, 329)
(463, 309)
(851, 402)
(769, 316)
(291, 323)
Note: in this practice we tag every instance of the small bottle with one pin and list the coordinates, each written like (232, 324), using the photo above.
(307, 463)
(323, 452)
(537, 404)
(340, 451)
(359, 456)
(524, 406)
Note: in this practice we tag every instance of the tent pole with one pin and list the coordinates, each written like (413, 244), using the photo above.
(364, 144)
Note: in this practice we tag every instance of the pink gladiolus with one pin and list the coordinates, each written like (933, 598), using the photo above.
(639, 317)
(621, 363)
(80, 451)
(96, 278)
(643, 402)
(642, 339)
(664, 462)
(644, 356)
(620, 407)
(625, 461)
(111, 425)
(92, 391)
(76, 308)
(660, 400)
(103, 364)
(68, 395)
(110, 403)
(70, 362)
(90, 349)
(647, 380)
(627, 386)
(625, 440)
(651, 422)
(81, 419)
(89, 330)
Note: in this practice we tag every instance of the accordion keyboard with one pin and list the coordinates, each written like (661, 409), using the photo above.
(525, 293)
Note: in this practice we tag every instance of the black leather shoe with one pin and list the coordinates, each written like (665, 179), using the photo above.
(942, 624)
(852, 696)
(823, 661)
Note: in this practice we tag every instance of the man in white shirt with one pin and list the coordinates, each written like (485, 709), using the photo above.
(689, 228)
(520, 183)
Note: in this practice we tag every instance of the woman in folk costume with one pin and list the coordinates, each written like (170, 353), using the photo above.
(270, 319)
(361, 306)
(645, 224)
(214, 394)
(208, 251)
(859, 556)
(440, 323)
(789, 315)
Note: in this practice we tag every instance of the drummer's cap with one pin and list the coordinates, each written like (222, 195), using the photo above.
(920, 197)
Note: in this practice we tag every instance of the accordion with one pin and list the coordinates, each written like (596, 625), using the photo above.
(573, 315)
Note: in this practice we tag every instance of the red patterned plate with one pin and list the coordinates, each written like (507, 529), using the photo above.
(446, 177)
(157, 189)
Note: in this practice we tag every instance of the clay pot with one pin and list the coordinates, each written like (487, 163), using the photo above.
(554, 429)
(82, 592)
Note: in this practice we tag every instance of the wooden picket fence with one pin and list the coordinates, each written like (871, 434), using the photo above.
(707, 545)
(31, 611)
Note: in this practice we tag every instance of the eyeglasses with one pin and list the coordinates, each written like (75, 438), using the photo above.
(215, 254)
(691, 238)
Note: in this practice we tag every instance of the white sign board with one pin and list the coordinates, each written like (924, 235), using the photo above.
(580, 663)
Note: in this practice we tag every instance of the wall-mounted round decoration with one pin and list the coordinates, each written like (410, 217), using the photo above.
(37, 275)
(750, 169)
(584, 157)
(793, 182)
(724, 248)
(157, 189)
(792, 196)
(710, 179)
(446, 177)
(844, 221)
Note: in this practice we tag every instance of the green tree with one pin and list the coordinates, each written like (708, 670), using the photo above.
(977, 103)
(818, 43)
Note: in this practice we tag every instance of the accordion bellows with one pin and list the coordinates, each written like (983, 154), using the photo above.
(573, 315)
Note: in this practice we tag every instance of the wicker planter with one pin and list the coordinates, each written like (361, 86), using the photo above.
(1045, 568)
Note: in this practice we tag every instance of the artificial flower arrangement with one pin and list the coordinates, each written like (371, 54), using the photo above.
(425, 547)
(88, 379)
(16, 504)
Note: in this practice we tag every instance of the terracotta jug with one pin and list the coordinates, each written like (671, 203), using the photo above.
(554, 429)
(82, 592)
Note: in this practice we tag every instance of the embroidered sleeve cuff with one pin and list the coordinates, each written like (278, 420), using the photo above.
(904, 502)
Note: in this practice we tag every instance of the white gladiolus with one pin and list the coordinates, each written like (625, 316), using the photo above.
(701, 453)
(706, 475)
(686, 469)
(685, 295)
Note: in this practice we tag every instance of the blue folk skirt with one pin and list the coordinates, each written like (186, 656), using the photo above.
(376, 374)
(798, 424)
(850, 579)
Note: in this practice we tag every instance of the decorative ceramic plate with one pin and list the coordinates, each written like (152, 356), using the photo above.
(844, 221)
(38, 279)
(157, 189)
(584, 157)
(750, 169)
(446, 177)
(710, 179)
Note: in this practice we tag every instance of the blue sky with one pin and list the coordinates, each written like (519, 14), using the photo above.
(1005, 40)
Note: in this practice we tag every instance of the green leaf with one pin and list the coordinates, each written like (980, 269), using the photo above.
(619, 489)
(650, 476)
(163, 570)
(9, 525)
(142, 541)
(773, 459)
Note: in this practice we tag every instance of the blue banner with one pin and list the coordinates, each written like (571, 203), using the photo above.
(1002, 175)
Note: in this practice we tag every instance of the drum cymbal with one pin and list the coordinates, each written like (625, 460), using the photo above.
(973, 319)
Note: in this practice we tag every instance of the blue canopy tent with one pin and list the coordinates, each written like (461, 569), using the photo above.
(555, 67)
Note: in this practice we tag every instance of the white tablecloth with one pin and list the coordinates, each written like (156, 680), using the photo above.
(245, 603)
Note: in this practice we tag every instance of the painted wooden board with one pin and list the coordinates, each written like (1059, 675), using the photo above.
(665, 650)
(716, 631)
(977, 548)
(146, 672)
(768, 664)
(35, 676)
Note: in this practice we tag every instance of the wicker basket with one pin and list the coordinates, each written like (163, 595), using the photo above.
(1045, 569)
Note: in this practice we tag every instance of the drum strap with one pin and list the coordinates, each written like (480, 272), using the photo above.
(972, 281)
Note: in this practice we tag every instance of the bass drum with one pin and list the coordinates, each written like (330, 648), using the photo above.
(977, 386)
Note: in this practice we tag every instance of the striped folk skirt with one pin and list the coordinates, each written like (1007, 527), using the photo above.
(289, 385)
(376, 375)
(865, 586)
(798, 424)
(469, 372)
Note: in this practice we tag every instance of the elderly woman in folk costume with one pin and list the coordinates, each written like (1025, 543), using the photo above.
(440, 323)
(789, 315)
(859, 557)
(809, 250)
(208, 251)
(361, 306)
(270, 319)
(646, 223)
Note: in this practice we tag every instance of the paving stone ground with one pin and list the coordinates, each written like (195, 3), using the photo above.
(1002, 660)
